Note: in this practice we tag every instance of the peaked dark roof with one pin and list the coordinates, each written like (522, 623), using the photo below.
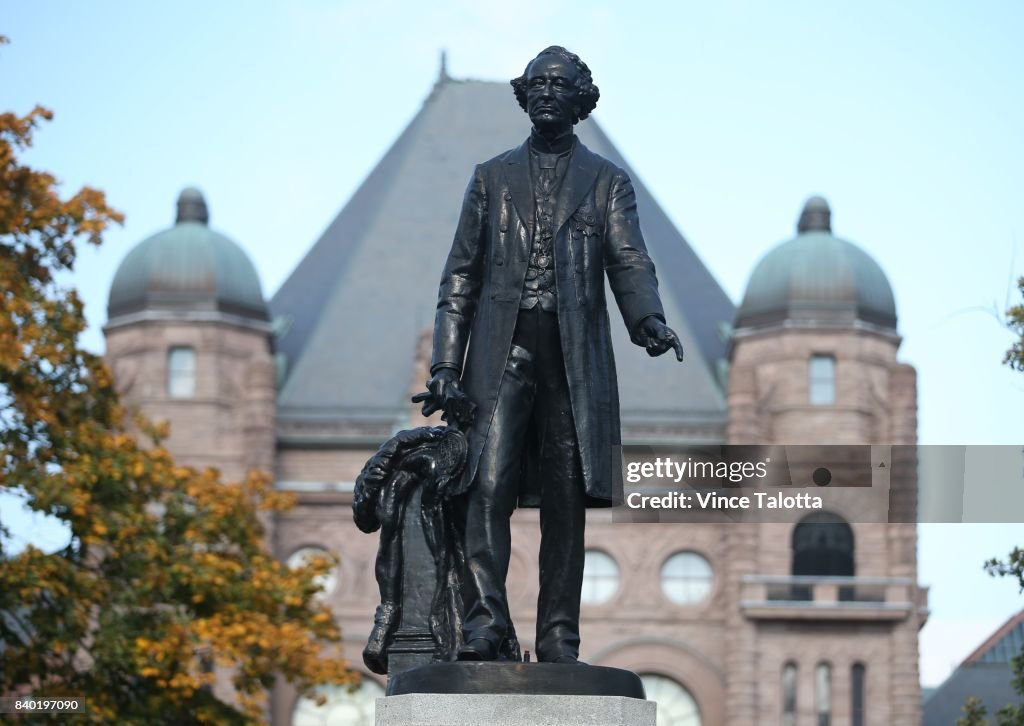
(986, 673)
(352, 309)
(989, 682)
(1002, 645)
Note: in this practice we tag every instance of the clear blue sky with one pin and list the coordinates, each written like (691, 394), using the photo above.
(906, 116)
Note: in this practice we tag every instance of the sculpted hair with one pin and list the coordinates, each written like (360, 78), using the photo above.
(587, 92)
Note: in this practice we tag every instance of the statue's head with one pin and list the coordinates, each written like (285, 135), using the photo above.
(556, 88)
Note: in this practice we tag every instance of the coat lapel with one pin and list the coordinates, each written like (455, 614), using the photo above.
(517, 176)
(583, 170)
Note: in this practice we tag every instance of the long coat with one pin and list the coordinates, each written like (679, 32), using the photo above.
(597, 233)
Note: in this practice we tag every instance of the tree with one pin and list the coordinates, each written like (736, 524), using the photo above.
(1015, 322)
(166, 575)
(1013, 566)
(974, 713)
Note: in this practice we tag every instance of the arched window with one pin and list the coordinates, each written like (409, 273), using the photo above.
(328, 581)
(352, 708)
(676, 707)
(181, 372)
(857, 673)
(600, 577)
(823, 546)
(823, 694)
(822, 380)
(789, 694)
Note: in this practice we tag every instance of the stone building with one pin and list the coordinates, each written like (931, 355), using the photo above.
(809, 622)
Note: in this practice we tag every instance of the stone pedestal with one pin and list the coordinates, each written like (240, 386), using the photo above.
(448, 709)
(515, 694)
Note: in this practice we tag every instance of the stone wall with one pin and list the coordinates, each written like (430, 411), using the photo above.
(229, 422)
(875, 402)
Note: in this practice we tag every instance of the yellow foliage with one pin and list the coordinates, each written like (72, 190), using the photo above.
(168, 572)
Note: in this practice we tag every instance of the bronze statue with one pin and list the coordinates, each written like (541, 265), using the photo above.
(522, 330)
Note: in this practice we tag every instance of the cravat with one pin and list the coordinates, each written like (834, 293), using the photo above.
(546, 183)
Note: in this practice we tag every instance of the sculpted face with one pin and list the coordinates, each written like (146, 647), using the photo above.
(551, 95)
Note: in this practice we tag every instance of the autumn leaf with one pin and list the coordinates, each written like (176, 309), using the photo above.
(167, 575)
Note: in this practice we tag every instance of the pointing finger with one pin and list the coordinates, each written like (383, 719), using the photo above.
(678, 347)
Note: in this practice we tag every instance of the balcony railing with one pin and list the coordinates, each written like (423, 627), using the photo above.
(795, 597)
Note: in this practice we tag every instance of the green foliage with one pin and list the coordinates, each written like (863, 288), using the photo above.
(1015, 322)
(974, 713)
(1012, 567)
(1009, 715)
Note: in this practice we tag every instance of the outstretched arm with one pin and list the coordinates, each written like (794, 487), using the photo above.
(631, 273)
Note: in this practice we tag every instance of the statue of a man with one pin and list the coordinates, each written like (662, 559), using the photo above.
(522, 330)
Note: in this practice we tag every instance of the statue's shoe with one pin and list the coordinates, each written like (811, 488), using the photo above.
(478, 649)
(385, 622)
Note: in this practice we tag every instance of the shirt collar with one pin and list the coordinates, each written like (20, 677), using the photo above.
(562, 145)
